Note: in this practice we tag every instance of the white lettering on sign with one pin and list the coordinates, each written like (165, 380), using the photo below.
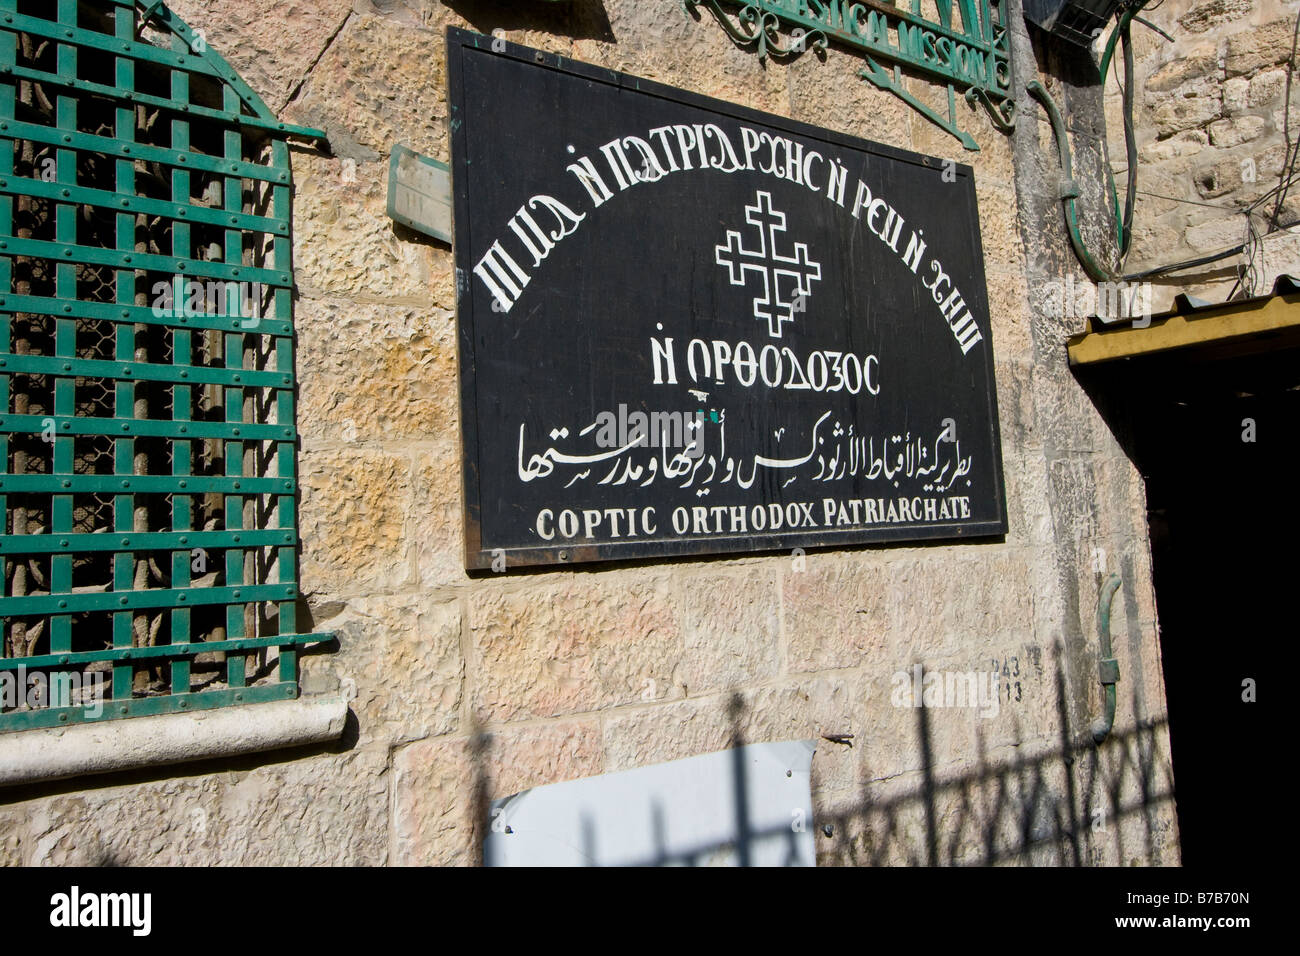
(569, 524)
(783, 280)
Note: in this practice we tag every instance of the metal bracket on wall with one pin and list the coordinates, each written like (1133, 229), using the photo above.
(1107, 665)
(969, 54)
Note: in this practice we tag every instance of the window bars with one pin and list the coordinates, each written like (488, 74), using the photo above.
(146, 372)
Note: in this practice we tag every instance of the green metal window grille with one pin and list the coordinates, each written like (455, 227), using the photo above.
(146, 372)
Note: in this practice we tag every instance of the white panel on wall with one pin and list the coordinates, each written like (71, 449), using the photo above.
(748, 806)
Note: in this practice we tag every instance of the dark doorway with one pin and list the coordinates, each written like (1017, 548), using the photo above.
(1222, 515)
(1215, 438)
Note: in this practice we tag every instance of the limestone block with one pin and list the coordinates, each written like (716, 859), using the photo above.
(1149, 47)
(1226, 133)
(1123, 816)
(1067, 418)
(353, 521)
(442, 289)
(801, 709)
(1269, 162)
(1259, 47)
(11, 835)
(337, 805)
(404, 655)
(1016, 402)
(577, 643)
(1284, 251)
(344, 244)
(836, 610)
(986, 593)
(437, 518)
(383, 79)
(437, 784)
(378, 83)
(1028, 512)
(1046, 578)
(1206, 16)
(1185, 108)
(994, 693)
(1114, 109)
(993, 158)
(250, 36)
(832, 95)
(999, 214)
(1217, 234)
(974, 593)
(1266, 87)
(376, 373)
(1166, 181)
(641, 736)
(992, 162)
(732, 628)
(867, 827)
(1085, 505)
(1236, 94)
(1215, 290)
(658, 41)
(1198, 63)
(808, 710)
(1187, 143)
(982, 815)
(1222, 177)
(1008, 314)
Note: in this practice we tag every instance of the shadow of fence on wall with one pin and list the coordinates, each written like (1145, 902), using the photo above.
(1072, 803)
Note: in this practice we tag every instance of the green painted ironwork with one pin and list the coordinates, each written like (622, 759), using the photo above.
(146, 371)
(961, 43)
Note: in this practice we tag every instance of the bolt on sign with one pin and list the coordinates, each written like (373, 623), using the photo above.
(689, 327)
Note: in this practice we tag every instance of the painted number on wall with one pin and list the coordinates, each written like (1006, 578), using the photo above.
(1008, 671)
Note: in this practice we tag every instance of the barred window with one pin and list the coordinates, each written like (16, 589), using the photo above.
(146, 371)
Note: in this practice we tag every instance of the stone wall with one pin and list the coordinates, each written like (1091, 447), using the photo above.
(1210, 115)
(472, 688)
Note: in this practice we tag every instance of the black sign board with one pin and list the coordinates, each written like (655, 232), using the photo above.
(689, 327)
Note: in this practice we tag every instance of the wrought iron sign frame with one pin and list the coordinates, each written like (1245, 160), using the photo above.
(971, 56)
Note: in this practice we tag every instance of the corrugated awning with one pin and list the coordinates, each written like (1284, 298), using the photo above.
(1199, 331)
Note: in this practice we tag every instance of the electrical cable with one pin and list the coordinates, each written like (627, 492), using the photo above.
(1202, 261)
(1095, 268)
(1121, 35)
(1069, 189)
(1130, 145)
(1147, 23)
(1252, 245)
(1292, 150)
(1190, 202)
(1247, 273)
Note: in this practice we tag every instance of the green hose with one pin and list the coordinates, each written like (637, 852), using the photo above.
(1121, 28)
(1121, 34)
(1069, 189)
